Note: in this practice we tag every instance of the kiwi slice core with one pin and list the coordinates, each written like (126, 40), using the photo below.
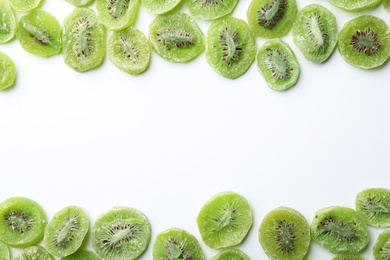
(374, 206)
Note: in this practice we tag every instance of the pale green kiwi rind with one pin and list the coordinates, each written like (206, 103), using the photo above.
(25, 5)
(73, 57)
(133, 56)
(230, 254)
(295, 229)
(347, 233)
(34, 252)
(355, 5)
(180, 243)
(180, 23)
(39, 33)
(242, 52)
(281, 28)
(66, 231)
(4, 252)
(381, 248)
(160, 6)
(318, 44)
(130, 227)
(210, 10)
(8, 73)
(359, 59)
(122, 18)
(81, 255)
(386, 4)
(373, 205)
(265, 64)
(80, 3)
(31, 210)
(348, 257)
(224, 220)
(8, 23)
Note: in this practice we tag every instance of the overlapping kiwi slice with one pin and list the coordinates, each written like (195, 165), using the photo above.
(340, 230)
(7, 72)
(117, 14)
(8, 22)
(4, 252)
(210, 9)
(230, 46)
(364, 42)
(230, 254)
(373, 205)
(25, 5)
(80, 3)
(382, 246)
(34, 253)
(82, 255)
(160, 6)
(355, 5)
(348, 257)
(315, 32)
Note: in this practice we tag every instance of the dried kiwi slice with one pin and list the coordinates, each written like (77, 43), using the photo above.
(176, 243)
(176, 37)
(382, 246)
(160, 6)
(80, 3)
(230, 46)
(271, 18)
(315, 32)
(340, 230)
(374, 206)
(22, 222)
(25, 5)
(7, 72)
(34, 252)
(230, 254)
(4, 252)
(354, 5)
(117, 14)
(81, 255)
(348, 257)
(210, 9)
(7, 22)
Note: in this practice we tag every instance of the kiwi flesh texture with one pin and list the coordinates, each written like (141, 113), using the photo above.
(230, 46)
(34, 252)
(373, 205)
(7, 72)
(224, 220)
(160, 6)
(381, 248)
(230, 254)
(22, 222)
(121, 233)
(175, 244)
(315, 32)
(176, 37)
(84, 40)
(348, 257)
(271, 18)
(340, 230)
(355, 5)
(81, 255)
(8, 22)
(25, 5)
(210, 9)
(4, 252)
(80, 3)
(129, 50)
(117, 14)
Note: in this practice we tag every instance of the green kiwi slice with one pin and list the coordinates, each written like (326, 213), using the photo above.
(230, 46)
(176, 37)
(224, 220)
(121, 233)
(374, 206)
(7, 72)
(160, 6)
(117, 14)
(34, 252)
(382, 246)
(348, 257)
(22, 222)
(354, 5)
(175, 244)
(271, 18)
(230, 254)
(25, 5)
(129, 50)
(4, 252)
(210, 9)
(7, 22)
(340, 230)
(65, 232)
(315, 32)
(84, 40)
(278, 65)
(81, 255)
(80, 3)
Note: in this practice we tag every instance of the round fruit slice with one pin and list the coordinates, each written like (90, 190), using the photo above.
(315, 32)
(4, 252)
(364, 42)
(7, 22)
(25, 5)
(84, 40)
(7, 72)
(160, 6)
(382, 246)
(278, 65)
(80, 3)
(176, 37)
(82, 255)
(177, 243)
(284, 234)
(230, 46)
(121, 233)
(354, 5)
(348, 257)
(117, 14)
(224, 220)
(129, 50)
(22, 222)
(271, 18)
(230, 254)
(34, 252)
(340, 230)
(210, 10)
(65, 233)
(374, 206)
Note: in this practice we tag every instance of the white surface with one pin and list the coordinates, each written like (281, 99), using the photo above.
(165, 141)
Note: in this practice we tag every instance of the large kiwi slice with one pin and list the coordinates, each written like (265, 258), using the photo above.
(348, 257)
(81, 255)
(210, 9)
(382, 246)
(364, 42)
(84, 40)
(80, 3)
(4, 252)
(175, 244)
(340, 230)
(34, 253)
(7, 22)
(65, 232)
(22, 222)
(160, 6)
(121, 233)
(117, 14)
(271, 18)
(8, 72)
(224, 220)
(354, 5)
(176, 37)
(230, 254)
(230, 46)
(315, 32)
(25, 5)
(374, 206)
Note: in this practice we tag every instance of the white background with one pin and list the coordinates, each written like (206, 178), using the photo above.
(167, 140)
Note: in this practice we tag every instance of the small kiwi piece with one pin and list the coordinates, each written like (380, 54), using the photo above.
(8, 22)
(315, 32)
(340, 230)
(84, 40)
(364, 42)
(22, 222)
(129, 50)
(65, 232)
(382, 246)
(224, 220)
(373, 205)
(160, 6)
(348, 257)
(25, 5)
(230, 46)
(386, 4)
(176, 37)
(271, 18)
(230, 254)
(210, 9)
(80, 3)
(7, 72)
(81, 254)
(121, 233)
(117, 14)
(355, 5)
(175, 244)
(39, 33)
(4, 252)
(34, 252)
